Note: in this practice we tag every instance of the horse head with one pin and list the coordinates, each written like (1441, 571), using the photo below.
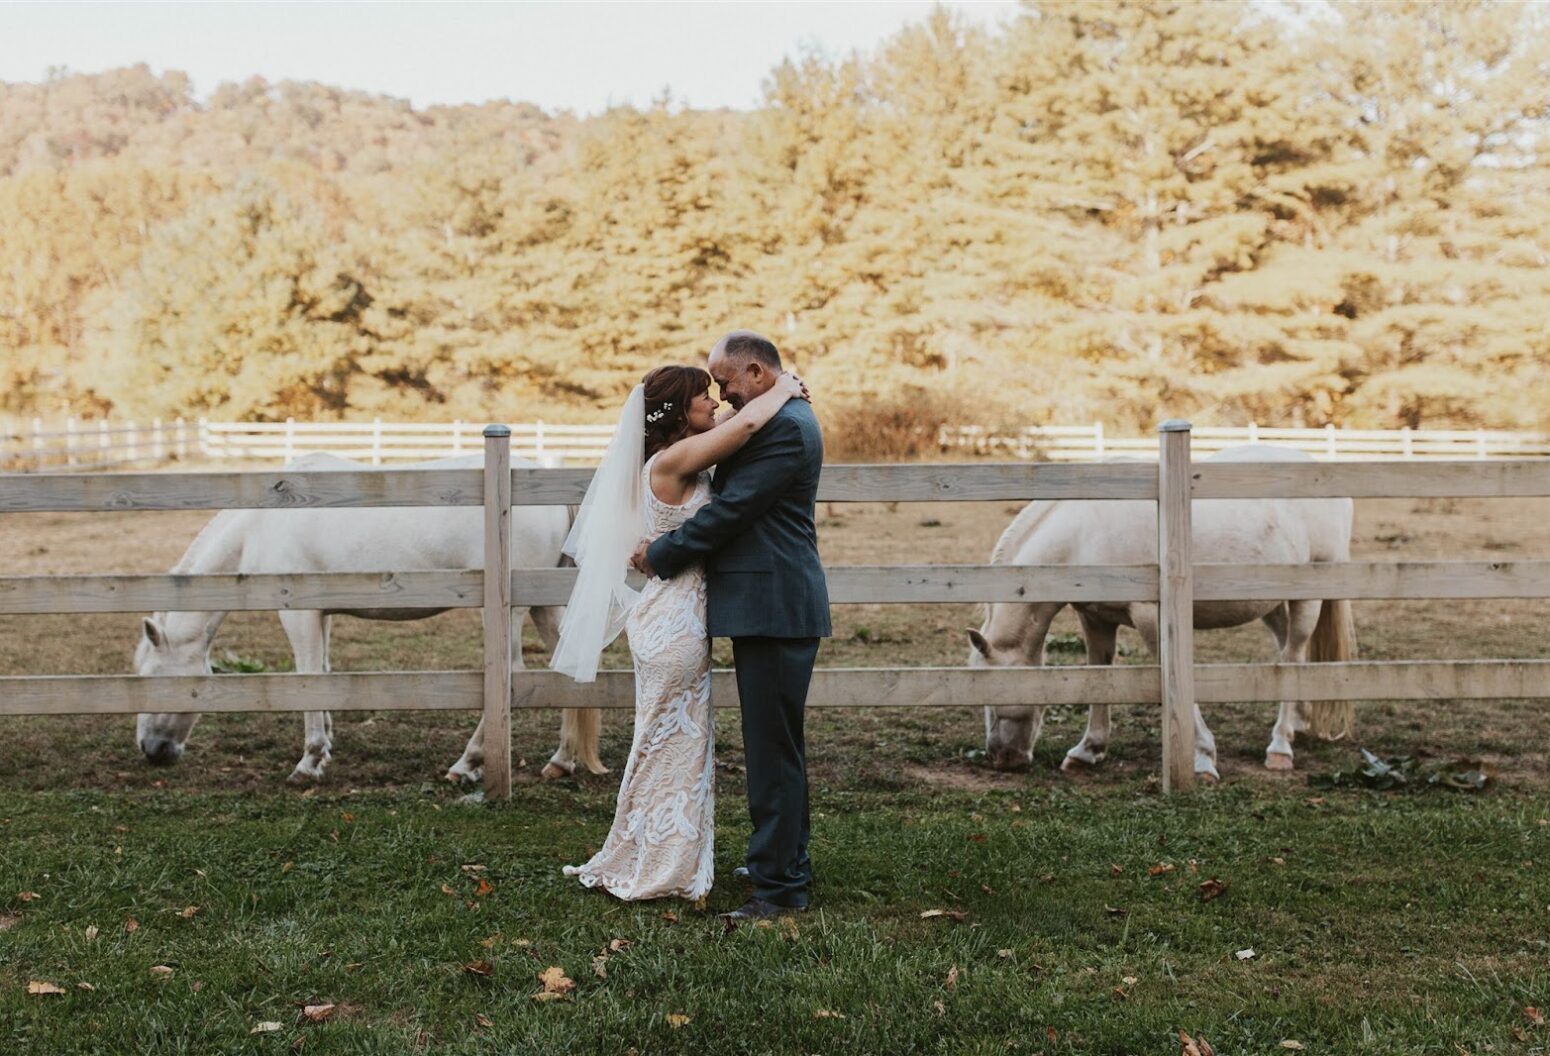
(1010, 731)
(161, 651)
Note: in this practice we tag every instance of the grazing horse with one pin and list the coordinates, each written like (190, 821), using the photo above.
(1123, 532)
(365, 539)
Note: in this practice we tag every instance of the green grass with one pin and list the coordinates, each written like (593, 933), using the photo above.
(1408, 923)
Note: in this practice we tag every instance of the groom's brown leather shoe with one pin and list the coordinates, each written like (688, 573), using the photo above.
(757, 909)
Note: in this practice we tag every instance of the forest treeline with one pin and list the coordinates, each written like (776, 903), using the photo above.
(1102, 211)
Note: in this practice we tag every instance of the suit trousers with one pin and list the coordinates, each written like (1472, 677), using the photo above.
(773, 675)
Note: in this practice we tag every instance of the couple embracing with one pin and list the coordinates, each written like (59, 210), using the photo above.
(717, 511)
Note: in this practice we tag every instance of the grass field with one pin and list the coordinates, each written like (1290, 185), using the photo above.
(1410, 922)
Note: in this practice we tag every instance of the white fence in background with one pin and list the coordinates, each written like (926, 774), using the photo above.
(84, 446)
(98, 445)
(1086, 443)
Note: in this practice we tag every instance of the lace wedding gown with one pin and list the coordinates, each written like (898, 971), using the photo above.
(661, 842)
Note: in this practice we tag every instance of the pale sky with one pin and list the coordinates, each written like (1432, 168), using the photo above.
(577, 55)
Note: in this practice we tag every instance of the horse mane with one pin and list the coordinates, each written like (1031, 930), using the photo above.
(1018, 530)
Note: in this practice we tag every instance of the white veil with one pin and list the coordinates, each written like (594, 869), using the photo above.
(609, 526)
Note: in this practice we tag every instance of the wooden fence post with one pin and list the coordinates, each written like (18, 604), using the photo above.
(497, 612)
(37, 444)
(1176, 606)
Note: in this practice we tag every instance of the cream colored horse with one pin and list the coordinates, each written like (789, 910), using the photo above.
(1123, 532)
(367, 539)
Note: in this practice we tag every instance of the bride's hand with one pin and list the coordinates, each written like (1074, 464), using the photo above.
(793, 386)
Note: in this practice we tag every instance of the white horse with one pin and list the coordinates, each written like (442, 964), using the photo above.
(351, 540)
(1122, 532)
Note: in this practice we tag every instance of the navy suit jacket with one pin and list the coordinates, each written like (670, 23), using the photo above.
(757, 536)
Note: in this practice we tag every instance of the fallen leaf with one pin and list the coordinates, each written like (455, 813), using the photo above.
(1194, 1046)
(546, 995)
(10, 920)
(92, 933)
(471, 868)
(1116, 869)
(615, 945)
(977, 837)
(1003, 954)
(1119, 994)
(1116, 911)
(1130, 980)
(941, 1009)
(670, 917)
(85, 986)
(484, 888)
(347, 818)
(986, 888)
(318, 1013)
(1160, 868)
(1210, 889)
(952, 977)
(196, 986)
(677, 1019)
(27, 896)
(285, 867)
(446, 889)
(1194, 866)
(1051, 1034)
(555, 981)
(1244, 955)
(478, 968)
(163, 970)
(188, 911)
(1047, 878)
(1535, 1016)
(955, 914)
(824, 1013)
(265, 1028)
(483, 1020)
(1519, 1033)
(1276, 860)
(131, 926)
(600, 966)
(38, 988)
(1295, 1046)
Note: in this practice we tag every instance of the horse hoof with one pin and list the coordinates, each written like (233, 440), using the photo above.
(300, 776)
(1205, 777)
(462, 778)
(1277, 761)
(1072, 764)
(553, 771)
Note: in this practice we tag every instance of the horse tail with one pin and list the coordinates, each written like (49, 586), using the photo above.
(1334, 641)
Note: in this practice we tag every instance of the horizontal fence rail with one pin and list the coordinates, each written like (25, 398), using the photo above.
(1171, 488)
(1059, 443)
(69, 445)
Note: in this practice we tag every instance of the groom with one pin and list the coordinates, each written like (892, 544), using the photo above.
(766, 591)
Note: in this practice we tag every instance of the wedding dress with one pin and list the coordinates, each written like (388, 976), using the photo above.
(661, 842)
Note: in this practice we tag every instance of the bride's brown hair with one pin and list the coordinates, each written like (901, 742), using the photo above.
(669, 391)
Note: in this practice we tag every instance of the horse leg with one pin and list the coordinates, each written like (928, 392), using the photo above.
(1145, 619)
(307, 631)
(469, 768)
(1090, 750)
(1292, 625)
(580, 728)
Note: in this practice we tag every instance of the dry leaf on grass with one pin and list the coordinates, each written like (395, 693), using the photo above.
(131, 926)
(615, 945)
(555, 981)
(92, 933)
(1211, 888)
(1194, 1046)
(163, 970)
(265, 1028)
(39, 988)
(824, 1013)
(1116, 869)
(1116, 911)
(952, 977)
(446, 889)
(1160, 868)
(941, 1009)
(318, 1013)
(27, 896)
(188, 911)
(954, 914)
(85, 986)
(1244, 955)
(1294, 1046)
(478, 968)
(677, 1020)
(600, 966)
(670, 917)
(1051, 1034)
(1003, 954)
(484, 888)
(483, 1020)
(10, 920)
(1535, 1016)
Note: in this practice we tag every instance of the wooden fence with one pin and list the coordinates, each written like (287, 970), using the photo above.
(1175, 582)
(1067, 443)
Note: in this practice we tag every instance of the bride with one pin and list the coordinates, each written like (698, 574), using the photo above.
(654, 476)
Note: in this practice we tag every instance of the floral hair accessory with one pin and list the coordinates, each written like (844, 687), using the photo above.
(658, 414)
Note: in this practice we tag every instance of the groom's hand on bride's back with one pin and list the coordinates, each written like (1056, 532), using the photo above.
(639, 563)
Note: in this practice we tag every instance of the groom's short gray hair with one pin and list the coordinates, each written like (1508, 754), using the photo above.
(742, 345)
